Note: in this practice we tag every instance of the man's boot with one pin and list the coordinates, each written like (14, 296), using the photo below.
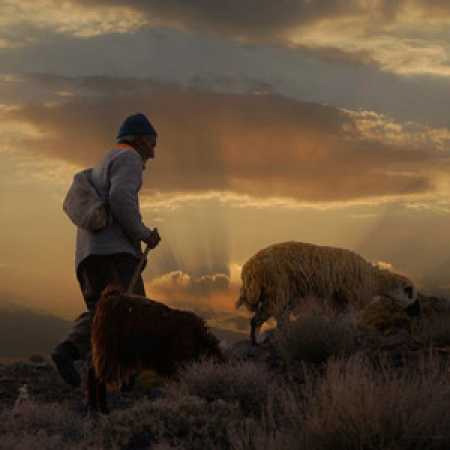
(64, 356)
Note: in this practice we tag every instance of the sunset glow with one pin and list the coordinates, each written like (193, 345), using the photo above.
(322, 122)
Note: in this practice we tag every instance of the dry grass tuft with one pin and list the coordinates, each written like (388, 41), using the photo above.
(243, 382)
(315, 338)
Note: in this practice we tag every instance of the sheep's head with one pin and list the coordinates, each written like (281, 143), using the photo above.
(399, 288)
(385, 314)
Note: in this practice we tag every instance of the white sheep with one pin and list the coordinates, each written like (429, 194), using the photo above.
(276, 280)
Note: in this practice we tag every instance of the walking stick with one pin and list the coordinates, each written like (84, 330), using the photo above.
(137, 271)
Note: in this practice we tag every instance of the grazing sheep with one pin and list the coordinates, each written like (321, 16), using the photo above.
(386, 314)
(276, 280)
(131, 333)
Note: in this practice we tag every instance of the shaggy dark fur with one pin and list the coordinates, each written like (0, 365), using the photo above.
(131, 333)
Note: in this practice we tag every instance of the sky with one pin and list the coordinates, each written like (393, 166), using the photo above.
(322, 121)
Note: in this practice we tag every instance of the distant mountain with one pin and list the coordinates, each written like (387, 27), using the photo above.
(24, 331)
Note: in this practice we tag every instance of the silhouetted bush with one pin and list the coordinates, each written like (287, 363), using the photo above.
(39, 425)
(178, 421)
(244, 382)
(356, 407)
(434, 331)
(314, 339)
(353, 407)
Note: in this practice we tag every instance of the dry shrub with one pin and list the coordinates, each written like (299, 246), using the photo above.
(27, 441)
(357, 407)
(315, 338)
(243, 382)
(164, 445)
(354, 407)
(174, 422)
(32, 424)
(435, 330)
(252, 435)
(279, 427)
(43, 440)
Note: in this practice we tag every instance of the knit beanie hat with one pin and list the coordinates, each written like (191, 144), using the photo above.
(136, 124)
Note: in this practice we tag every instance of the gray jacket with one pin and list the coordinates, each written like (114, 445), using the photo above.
(118, 179)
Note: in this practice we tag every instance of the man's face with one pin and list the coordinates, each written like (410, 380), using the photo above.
(147, 144)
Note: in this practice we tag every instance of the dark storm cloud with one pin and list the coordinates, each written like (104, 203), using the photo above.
(263, 145)
(262, 19)
(403, 37)
(265, 19)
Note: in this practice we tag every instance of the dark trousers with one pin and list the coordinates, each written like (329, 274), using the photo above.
(94, 274)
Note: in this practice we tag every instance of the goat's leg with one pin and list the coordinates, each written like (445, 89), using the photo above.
(91, 390)
(101, 396)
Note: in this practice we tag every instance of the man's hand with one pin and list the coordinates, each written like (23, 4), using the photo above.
(153, 240)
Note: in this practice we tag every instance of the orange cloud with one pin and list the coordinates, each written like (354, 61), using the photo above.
(259, 145)
(210, 292)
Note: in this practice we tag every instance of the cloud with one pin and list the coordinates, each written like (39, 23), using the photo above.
(212, 296)
(265, 19)
(23, 23)
(252, 144)
(191, 287)
(380, 128)
(405, 37)
(209, 292)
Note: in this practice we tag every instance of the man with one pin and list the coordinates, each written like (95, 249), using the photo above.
(111, 254)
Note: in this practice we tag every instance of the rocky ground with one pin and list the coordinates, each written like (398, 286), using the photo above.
(291, 375)
(44, 384)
